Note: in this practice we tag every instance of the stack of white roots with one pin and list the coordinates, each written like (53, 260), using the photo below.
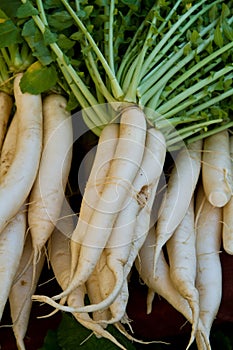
(170, 228)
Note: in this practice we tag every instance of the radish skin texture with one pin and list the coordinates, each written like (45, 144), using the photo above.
(47, 194)
(6, 104)
(181, 185)
(21, 293)
(227, 229)
(209, 273)
(123, 169)
(104, 154)
(160, 282)
(181, 252)
(8, 147)
(17, 183)
(216, 165)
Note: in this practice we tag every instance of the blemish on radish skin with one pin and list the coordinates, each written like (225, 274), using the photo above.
(23, 283)
(143, 195)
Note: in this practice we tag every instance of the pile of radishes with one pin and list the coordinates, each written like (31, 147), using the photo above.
(171, 228)
(36, 153)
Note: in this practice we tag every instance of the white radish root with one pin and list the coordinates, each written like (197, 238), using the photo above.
(11, 248)
(209, 273)
(160, 282)
(12, 236)
(104, 154)
(181, 250)
(22, 291)
(47, 194)
(60, 261)
(17, 183)
(181, 185)
(227, 229)
(216, 165)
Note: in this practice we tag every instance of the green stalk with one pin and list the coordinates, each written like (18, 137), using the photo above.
(6, 57)
(131, 95)
(129, 53)
(92, 119)
(96, 77)
(110, 36)
(210, 102)
(197, 67)
(154, 82)
(210, 132)
(136, 77)
(4, 77)
(80, 90)
(154, 74)
(167, 36)
(116, 89)
(68, 67)
(190, 91)
(186, 132)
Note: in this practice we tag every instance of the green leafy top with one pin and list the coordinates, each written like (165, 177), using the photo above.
(173, 59)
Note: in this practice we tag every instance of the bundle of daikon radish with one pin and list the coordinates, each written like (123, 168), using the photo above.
(151, 78)
(170, 228)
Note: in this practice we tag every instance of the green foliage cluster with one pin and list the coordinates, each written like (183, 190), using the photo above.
(172, 58)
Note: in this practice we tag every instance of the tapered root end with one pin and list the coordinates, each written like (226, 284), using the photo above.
(218, 198)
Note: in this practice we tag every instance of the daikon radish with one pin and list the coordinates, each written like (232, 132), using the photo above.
(227, 229)
(22, 291)
(181, 250)
(216, 165)
(160, 282)
(47, 194)
(17, 183)
(181, 185)
(209, 272)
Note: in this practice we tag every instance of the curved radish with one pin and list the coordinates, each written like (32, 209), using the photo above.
(180, 189)
(104, 154)
(17, 183)
(209, 272)
(160, 282)
(11, 248)
(47, 194)
(21, 292)
(12, 236)
(181, 252)
(216, 165)
(60, 261)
